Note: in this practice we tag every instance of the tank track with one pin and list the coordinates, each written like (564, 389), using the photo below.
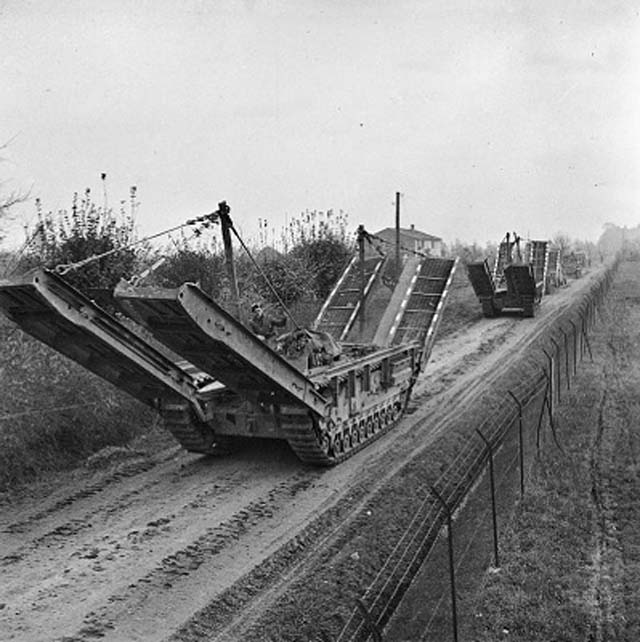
(313, 446)
(307, 439)
(193, 435)
(488, 309)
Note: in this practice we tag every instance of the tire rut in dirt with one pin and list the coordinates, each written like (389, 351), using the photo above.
(177, 567)
(130, 470)
(123, 501)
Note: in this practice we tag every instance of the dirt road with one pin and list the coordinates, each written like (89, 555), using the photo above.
(154, 543)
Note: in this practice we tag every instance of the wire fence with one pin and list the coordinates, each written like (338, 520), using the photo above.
(521, 420)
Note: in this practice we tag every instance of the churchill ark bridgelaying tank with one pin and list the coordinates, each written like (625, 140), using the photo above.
(518, 278)
(327, 390)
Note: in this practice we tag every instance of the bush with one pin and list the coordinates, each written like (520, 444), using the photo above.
(53, 413)
(68, 237)
(199, 266)
(325, 260)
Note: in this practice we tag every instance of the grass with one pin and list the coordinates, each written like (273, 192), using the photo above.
(462, 305)
(53, 413)
(570, 557)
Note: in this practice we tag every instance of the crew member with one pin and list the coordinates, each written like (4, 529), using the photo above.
(263, 325)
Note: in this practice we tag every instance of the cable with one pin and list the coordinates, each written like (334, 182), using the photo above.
(417, 533)
(264, 276)
(42, 410)
(206, 220)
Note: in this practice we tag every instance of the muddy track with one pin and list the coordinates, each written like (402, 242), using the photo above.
(170, 545)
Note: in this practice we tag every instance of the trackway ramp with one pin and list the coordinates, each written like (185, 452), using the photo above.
(415, 309)
(49, 309)
(341, 309)
(194, 326)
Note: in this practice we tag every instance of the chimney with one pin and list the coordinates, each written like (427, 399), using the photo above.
(413, 227)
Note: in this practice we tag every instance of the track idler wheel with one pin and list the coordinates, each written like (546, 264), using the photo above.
(194, 435)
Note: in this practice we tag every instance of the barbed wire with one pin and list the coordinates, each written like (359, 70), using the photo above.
(39, 411)
(460, 474)
(464, 553)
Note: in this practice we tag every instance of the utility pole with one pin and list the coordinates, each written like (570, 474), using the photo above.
(226, 225)
(397, 275)
(362, 277)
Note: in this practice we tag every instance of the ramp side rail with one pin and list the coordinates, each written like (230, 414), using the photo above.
(49, 309)
(420, 311)
(194, 326)
(341, 309)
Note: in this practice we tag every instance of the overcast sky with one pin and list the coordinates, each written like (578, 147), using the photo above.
(486, 115)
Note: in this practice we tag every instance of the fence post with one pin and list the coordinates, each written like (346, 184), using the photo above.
(549, 380)
(452, 573)
(566, 356)
(583, 321)
(558, 382)
(575, 347)
(586, 341)
(520, 441)
(370, 623)
(545, 404)
(496, 558)
(547, 397)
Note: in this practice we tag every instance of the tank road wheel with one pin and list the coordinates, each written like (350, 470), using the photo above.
(308, 436)
(369, 428)
(325, 443)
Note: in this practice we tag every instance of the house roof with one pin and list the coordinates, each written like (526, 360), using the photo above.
(411, 233)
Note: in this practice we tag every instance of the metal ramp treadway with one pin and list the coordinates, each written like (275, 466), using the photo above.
(341, 308)
(520, 280)
(503, 259)
(49, 309)
(481, 279)
(419, 313)
(194, 326)
(538, 258)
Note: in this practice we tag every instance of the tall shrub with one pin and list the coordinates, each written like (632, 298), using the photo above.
(86, 230)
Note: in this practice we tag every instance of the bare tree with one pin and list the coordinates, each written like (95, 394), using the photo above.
(8, 198)
(562, 241)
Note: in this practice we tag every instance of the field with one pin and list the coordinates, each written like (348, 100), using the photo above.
(571, 568)
(148, 542)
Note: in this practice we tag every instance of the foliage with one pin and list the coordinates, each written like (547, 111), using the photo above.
(615, 238)
(562, 242)
(289, 275)
(8, 198)
(308, 270)
(310, 226)
(53, 412)
(325, 260)
(199, 266)
(67, 237)
(468, 253)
